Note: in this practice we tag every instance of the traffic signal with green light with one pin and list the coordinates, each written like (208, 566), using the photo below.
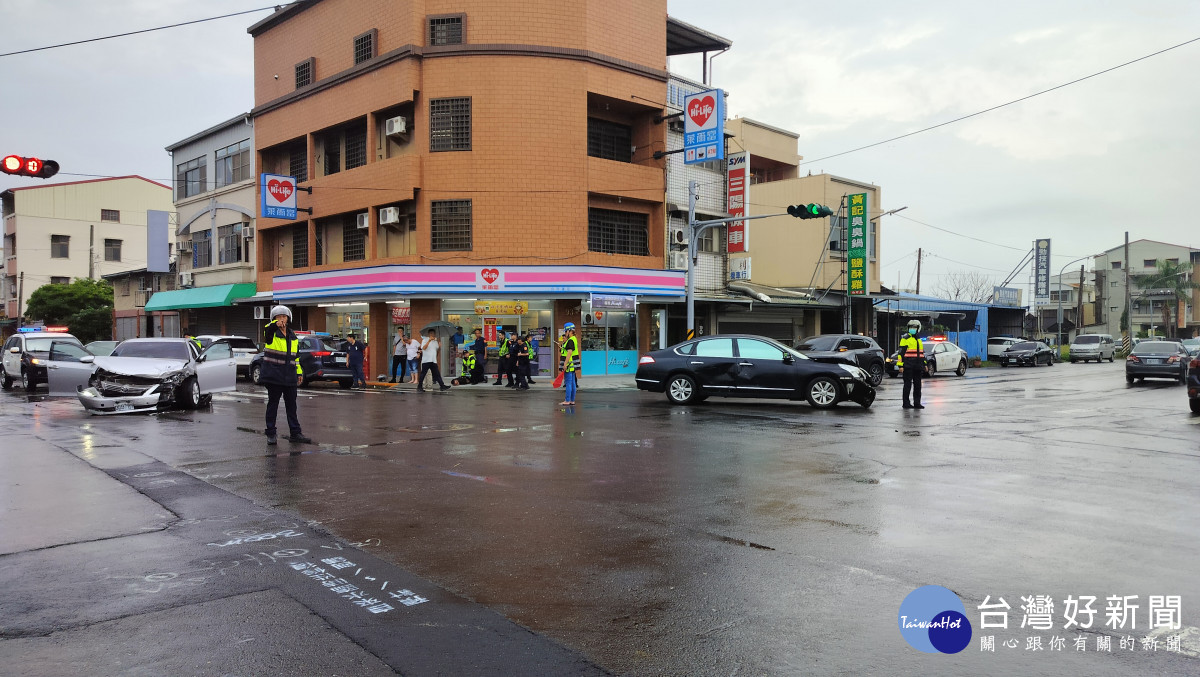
(809, 211)
(28, 166)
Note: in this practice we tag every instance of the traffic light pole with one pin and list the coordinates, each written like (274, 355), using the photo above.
(695, 228)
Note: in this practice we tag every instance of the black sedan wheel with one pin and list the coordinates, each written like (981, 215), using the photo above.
(876, 372)
(962, 368)
(822, 392)
(681, 389)
(256, 373)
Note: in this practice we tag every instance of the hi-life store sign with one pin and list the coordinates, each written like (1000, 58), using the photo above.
(278, 197)
(704, 126)
(857, 270)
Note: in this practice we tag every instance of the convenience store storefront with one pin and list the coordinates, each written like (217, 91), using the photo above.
(608, 305)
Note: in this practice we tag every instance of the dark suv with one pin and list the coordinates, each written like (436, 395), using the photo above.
(861, 350)
(25, 356)
(320, 359)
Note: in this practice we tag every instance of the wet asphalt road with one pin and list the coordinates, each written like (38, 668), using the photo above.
(732, 537)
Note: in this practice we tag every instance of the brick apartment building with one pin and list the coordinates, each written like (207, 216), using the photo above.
(488, 164)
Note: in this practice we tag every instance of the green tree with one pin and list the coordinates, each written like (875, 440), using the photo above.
(85, 306)
(1172, 279)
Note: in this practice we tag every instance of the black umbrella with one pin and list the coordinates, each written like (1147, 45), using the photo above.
(440, 325)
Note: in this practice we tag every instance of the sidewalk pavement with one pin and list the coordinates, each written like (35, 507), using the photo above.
(113, 563)
(542, 382)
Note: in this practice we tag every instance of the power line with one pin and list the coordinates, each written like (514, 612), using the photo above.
(988, 110)
(144, 30)
(969, 237)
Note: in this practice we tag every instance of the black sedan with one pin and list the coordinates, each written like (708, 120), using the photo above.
(735, 365)
(1193, 384)
(1157, 359)
(320, 359)
(865, 352)
(1027, 353)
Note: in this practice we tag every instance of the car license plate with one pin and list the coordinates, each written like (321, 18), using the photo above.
(339, 360)
(124, 406)
(1012, 360)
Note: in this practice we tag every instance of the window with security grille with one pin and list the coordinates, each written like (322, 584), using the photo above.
(298, 162)
(609, 140)
(113, 215)
(333, 156)
(60, 246)
(300, 247)
(450, 226)
(60, 280)
(616, 232)
(190, 177)
(354, 243)
(364, 47)
(229, 243)
(304, 73)
(233, 163)
(356, 148)
(446, 30)
(202, 249)
(450, 124)
(112, 250)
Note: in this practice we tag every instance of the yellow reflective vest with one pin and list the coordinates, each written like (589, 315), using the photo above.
(281, 357)
(913, 348)
(569, 354)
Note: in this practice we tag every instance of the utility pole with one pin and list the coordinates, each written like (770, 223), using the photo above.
(20, 298)
(1079, 304)
(1128, 338)
(918, 271)
(92, 252)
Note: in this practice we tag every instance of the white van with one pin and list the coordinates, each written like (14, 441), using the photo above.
(1092, 347)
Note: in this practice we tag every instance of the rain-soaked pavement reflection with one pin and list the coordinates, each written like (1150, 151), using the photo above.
(733, 537)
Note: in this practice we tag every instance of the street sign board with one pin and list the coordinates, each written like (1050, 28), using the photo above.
(738, 191)
(739, 269)
(858, 270)
(1041, 262)
(611, 302)
(1006, 296)
(278, 197)
(704, 126)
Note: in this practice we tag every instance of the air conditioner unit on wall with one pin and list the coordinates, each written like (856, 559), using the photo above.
(248, 232)
(185, 279)
(364, 221)
(679, 235)
(389, 215)
(396, 126)
(678, 260)
(183, 246)
(260, 312)
(675, 126)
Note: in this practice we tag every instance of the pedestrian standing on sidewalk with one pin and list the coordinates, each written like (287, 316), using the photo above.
(430, 354)
(479, 347)
(522, 352)
(568, 362)
(354, 349)
(533, 357)
(399, 356)
(456, 343)
(281, 374)
(413, 350)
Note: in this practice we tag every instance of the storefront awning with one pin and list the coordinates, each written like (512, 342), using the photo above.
(200, 297)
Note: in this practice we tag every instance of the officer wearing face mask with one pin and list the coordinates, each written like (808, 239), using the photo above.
(912, 365)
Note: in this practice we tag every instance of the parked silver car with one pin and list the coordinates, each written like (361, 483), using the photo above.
(1096, 347)
(146, 375)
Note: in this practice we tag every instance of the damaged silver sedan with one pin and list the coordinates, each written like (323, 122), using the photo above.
(146, 375)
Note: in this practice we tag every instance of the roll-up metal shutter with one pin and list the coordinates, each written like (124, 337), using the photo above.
(780, 331)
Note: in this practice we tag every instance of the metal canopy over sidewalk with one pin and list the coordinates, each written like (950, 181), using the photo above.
(200, 297)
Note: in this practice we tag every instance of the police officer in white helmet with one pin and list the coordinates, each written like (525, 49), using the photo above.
(281, 373)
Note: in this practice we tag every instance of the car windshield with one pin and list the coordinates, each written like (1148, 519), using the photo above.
(43, 344)
(999, 341)
(1156, 348)
(1024, 345)
(818, 343)
(1079, 340)
(240, 343)
(1192, 343)
(330, 345)
(163, 350)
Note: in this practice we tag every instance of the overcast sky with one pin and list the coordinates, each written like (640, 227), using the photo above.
(1080, 165)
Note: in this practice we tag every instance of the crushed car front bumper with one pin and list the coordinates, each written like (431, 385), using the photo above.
(96, 403)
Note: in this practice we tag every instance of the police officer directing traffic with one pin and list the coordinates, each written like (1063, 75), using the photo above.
(912, 365)
(281, 373)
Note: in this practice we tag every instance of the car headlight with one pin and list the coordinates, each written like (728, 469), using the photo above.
(854, 371)
(173, 379)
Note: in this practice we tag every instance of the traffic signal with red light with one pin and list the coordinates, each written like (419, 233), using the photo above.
(29, 166)
(809, 211)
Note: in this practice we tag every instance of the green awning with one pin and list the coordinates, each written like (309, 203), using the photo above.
(200, 297)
